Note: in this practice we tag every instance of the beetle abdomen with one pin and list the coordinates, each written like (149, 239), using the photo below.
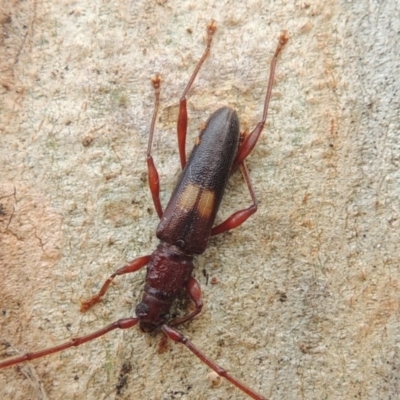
(190, 214)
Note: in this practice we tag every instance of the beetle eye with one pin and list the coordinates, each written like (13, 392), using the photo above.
(142, 310)
(164, 316)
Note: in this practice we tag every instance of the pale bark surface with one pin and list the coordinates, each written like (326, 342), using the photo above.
(306, 304)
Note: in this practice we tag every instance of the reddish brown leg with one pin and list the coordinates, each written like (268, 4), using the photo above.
(194, 291)
(154, 181)
(237, 218)
(177, 336)
(251, 140)
(183, 117)
(133, 266)
(125, 323)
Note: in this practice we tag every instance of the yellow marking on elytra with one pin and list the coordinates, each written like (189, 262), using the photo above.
(194, 196)
(188, 197)
(206, 203)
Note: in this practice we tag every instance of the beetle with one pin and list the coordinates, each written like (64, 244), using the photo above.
(187, 222)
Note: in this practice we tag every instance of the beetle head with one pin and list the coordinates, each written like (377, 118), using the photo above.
(152, 313)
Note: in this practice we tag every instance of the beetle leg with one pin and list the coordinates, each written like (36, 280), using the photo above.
(250, 141)
(194, 291)
(237, 218)
(133, 266)
(183, 117)
(154, 180)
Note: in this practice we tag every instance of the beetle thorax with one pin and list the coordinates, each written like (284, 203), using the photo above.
(167, 274)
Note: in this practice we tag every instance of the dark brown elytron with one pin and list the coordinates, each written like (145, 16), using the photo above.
(187, 222)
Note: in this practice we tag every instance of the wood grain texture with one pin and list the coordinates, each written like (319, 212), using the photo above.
(306, 300)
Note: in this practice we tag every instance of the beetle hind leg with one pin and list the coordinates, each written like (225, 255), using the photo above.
(154, 180)
(183, 116)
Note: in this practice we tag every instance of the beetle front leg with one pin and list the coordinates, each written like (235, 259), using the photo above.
(194, 291)
(133, 266)
(237, 218)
